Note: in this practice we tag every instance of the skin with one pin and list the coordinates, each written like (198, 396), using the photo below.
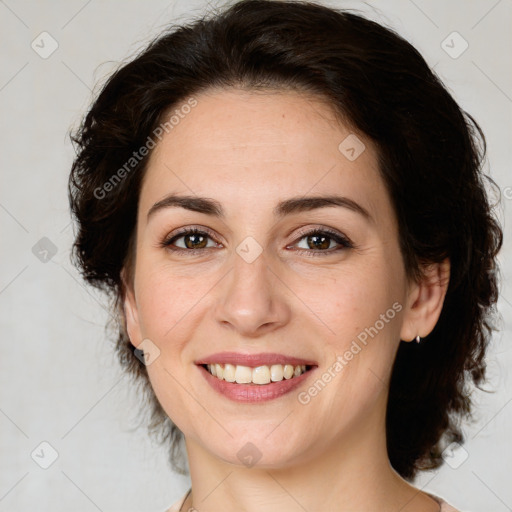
(248, 151)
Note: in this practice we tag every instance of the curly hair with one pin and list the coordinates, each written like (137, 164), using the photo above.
(431, 155)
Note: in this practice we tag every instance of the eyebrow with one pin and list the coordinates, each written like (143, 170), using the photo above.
(289, 206)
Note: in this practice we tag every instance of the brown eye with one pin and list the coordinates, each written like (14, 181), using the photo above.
(320, 241)
(192, 239)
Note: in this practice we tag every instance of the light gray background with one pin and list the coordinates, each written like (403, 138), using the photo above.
(59, 379)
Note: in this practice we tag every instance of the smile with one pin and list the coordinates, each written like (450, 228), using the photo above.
(259, 375)
(254, 378)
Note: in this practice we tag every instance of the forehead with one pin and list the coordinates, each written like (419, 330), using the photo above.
(229, 124)
(251, 148)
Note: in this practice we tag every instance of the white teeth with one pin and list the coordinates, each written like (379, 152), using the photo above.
(288, 371)
(243, 375)
(276, 372)
(259, 375)
(229, 373)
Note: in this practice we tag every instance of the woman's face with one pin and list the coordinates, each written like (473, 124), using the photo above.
(273, 279)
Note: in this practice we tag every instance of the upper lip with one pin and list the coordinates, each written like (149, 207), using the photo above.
(253, 360)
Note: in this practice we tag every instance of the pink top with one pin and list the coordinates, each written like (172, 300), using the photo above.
(444, 506)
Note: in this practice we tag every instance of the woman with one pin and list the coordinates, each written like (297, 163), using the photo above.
(280, 199)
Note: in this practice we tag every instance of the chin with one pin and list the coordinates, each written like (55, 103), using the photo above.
(258, 446)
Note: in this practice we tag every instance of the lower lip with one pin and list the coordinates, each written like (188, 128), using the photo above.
(252, 393)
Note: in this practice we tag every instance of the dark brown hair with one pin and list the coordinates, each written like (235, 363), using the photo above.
(430, 157)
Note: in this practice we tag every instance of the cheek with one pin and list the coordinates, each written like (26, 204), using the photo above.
(168, 301)
(349, 301)
(361, 310)
(165, 382)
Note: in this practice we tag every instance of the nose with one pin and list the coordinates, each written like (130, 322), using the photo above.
(252, 299)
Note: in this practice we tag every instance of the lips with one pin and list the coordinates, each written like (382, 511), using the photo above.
(254, 377)
(254, 360)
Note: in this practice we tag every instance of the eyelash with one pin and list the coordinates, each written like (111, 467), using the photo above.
(342, 240)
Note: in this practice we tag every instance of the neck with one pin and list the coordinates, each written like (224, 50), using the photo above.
(353, 473)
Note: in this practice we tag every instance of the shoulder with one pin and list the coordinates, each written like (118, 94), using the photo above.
(175, 507)
(445, 507)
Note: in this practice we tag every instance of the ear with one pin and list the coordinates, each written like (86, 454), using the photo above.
(425, 301)
(130, 311)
